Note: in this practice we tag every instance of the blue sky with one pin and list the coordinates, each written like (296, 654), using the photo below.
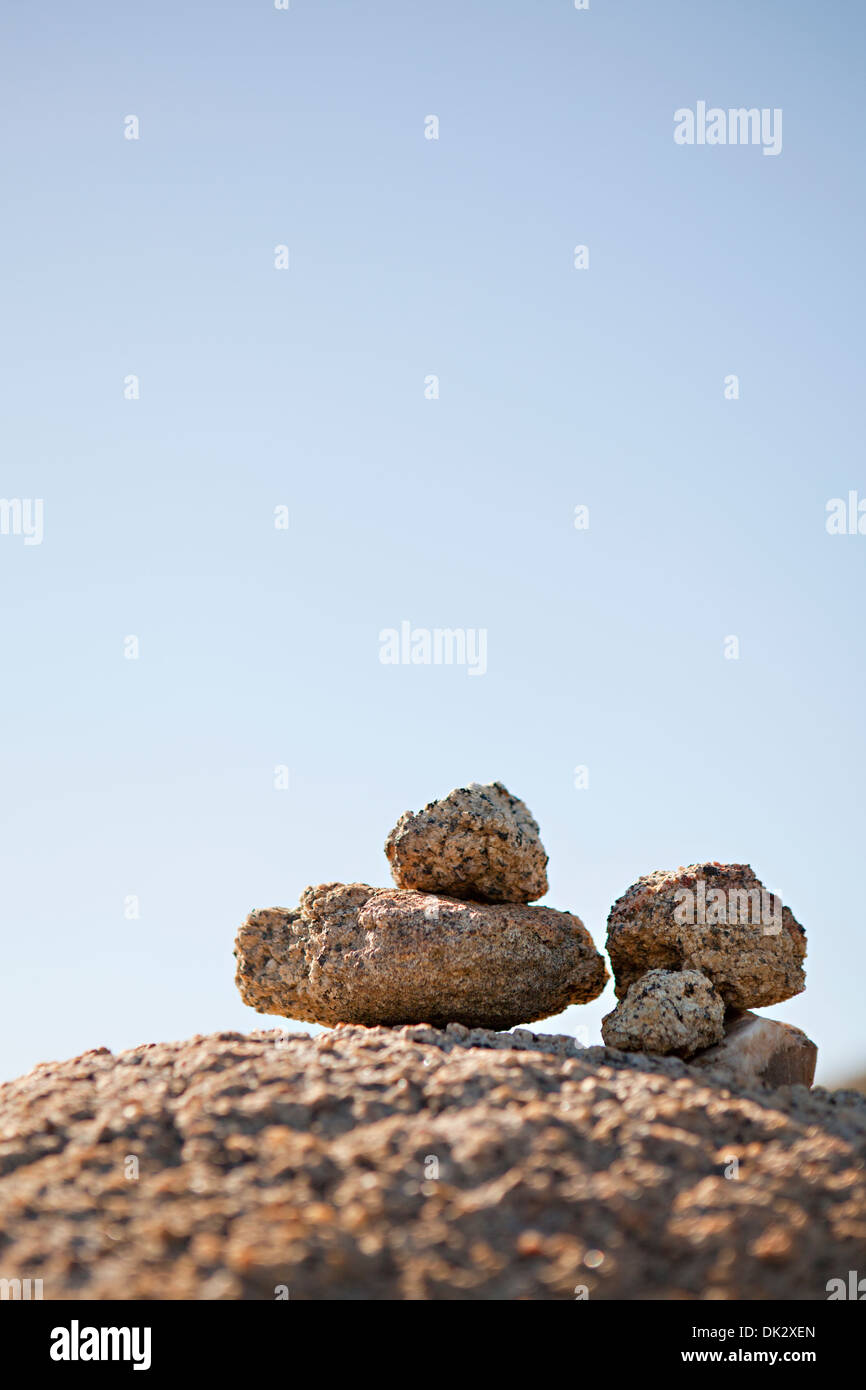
(304, 388)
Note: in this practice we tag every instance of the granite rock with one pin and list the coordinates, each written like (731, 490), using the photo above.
(692, 919)
(355, 954)
(666, 1011)
(479, 843)
(414, 1164)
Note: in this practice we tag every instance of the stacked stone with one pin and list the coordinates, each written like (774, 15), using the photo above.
(455, 942)
(693, 953)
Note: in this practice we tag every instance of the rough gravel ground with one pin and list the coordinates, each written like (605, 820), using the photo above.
(278, 1159)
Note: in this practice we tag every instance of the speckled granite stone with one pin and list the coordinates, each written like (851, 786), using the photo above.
(479, 842)
(752, 963)
(665, 1011)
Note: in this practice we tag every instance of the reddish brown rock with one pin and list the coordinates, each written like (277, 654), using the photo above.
(715, 918)
(355, 954)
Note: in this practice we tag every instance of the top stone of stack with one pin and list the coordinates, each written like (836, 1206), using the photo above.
(479, 843)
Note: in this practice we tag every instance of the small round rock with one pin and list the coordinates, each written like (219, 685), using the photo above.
(667, 1011)
(479, 843)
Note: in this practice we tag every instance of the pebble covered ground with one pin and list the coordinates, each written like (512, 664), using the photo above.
(412, 1163)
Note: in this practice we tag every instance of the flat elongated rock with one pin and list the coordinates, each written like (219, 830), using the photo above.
(667, 1011)
(479, 843)
(355, 954)
(716, 918)
(761, 1051)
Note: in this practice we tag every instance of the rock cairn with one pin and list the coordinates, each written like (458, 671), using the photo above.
(456, 942)
(693, 953)
(459, 941)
